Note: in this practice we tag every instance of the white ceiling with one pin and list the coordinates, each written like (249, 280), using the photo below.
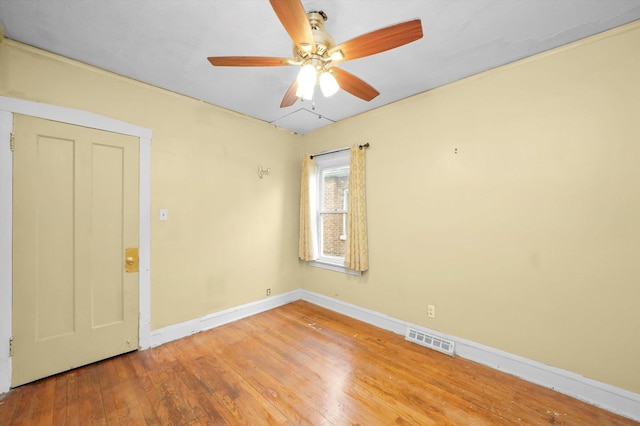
(166, 43)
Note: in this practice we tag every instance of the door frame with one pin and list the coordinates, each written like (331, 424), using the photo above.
(10, 106)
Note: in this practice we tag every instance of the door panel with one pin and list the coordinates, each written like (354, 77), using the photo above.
(106, 245)
(75, 212)
(53, 220)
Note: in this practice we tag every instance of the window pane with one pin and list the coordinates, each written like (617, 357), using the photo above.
(334, 235)
(335, 181)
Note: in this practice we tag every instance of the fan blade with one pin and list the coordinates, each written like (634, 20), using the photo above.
(294, 20)
(380, 40)
(352, 84)
(247, 61)
(290, 97)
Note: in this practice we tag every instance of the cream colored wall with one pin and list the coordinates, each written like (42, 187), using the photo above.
(528, 238)
(229, 235)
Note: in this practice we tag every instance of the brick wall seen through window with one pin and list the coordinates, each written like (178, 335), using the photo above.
(335, 189)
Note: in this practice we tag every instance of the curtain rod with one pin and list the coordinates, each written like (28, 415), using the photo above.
(366, 145)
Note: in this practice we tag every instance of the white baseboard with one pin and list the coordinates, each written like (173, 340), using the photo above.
(596, 393)
(207, 322)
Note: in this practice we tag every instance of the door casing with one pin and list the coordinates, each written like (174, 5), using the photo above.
(9, 106)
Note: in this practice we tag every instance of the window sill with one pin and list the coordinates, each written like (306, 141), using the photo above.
(334, 267)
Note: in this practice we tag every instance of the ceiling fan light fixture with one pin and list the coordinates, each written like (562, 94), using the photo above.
(314, 50)
(307, 75)
(328, 84)
(307, 78)
(306, 92)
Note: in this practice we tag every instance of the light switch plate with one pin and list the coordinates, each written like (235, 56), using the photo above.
(164, 215)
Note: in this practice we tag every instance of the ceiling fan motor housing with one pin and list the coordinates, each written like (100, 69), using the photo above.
(324, 42)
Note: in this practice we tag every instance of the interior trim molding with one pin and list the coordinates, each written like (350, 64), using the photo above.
(611, 398)
(216, 319)
(10, 106)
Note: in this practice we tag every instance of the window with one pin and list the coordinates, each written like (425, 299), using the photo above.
(333, 215)
(332, 178)
(345, 198)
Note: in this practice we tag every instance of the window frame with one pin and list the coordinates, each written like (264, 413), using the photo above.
(324, 162)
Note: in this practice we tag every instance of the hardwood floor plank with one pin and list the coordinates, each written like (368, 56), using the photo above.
(171, 409)
(8, 405)
(108, 387)
(95, 396)
(25, 407)
(85, 409)
(59, 399)
(298, 364)
(43, 393)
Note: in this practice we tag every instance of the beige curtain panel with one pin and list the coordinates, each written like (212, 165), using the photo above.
(357, 253)
(307, 245)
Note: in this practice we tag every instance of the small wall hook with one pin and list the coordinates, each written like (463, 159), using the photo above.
(262, 172)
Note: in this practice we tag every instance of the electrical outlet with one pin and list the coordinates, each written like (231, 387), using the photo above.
(431, 311)
(268, 292)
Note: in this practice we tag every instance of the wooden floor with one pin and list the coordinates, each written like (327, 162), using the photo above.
(297, 364)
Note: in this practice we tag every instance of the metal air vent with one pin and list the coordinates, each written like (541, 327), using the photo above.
(433, 342)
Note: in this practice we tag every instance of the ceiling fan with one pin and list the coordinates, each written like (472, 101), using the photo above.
(316, 53)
